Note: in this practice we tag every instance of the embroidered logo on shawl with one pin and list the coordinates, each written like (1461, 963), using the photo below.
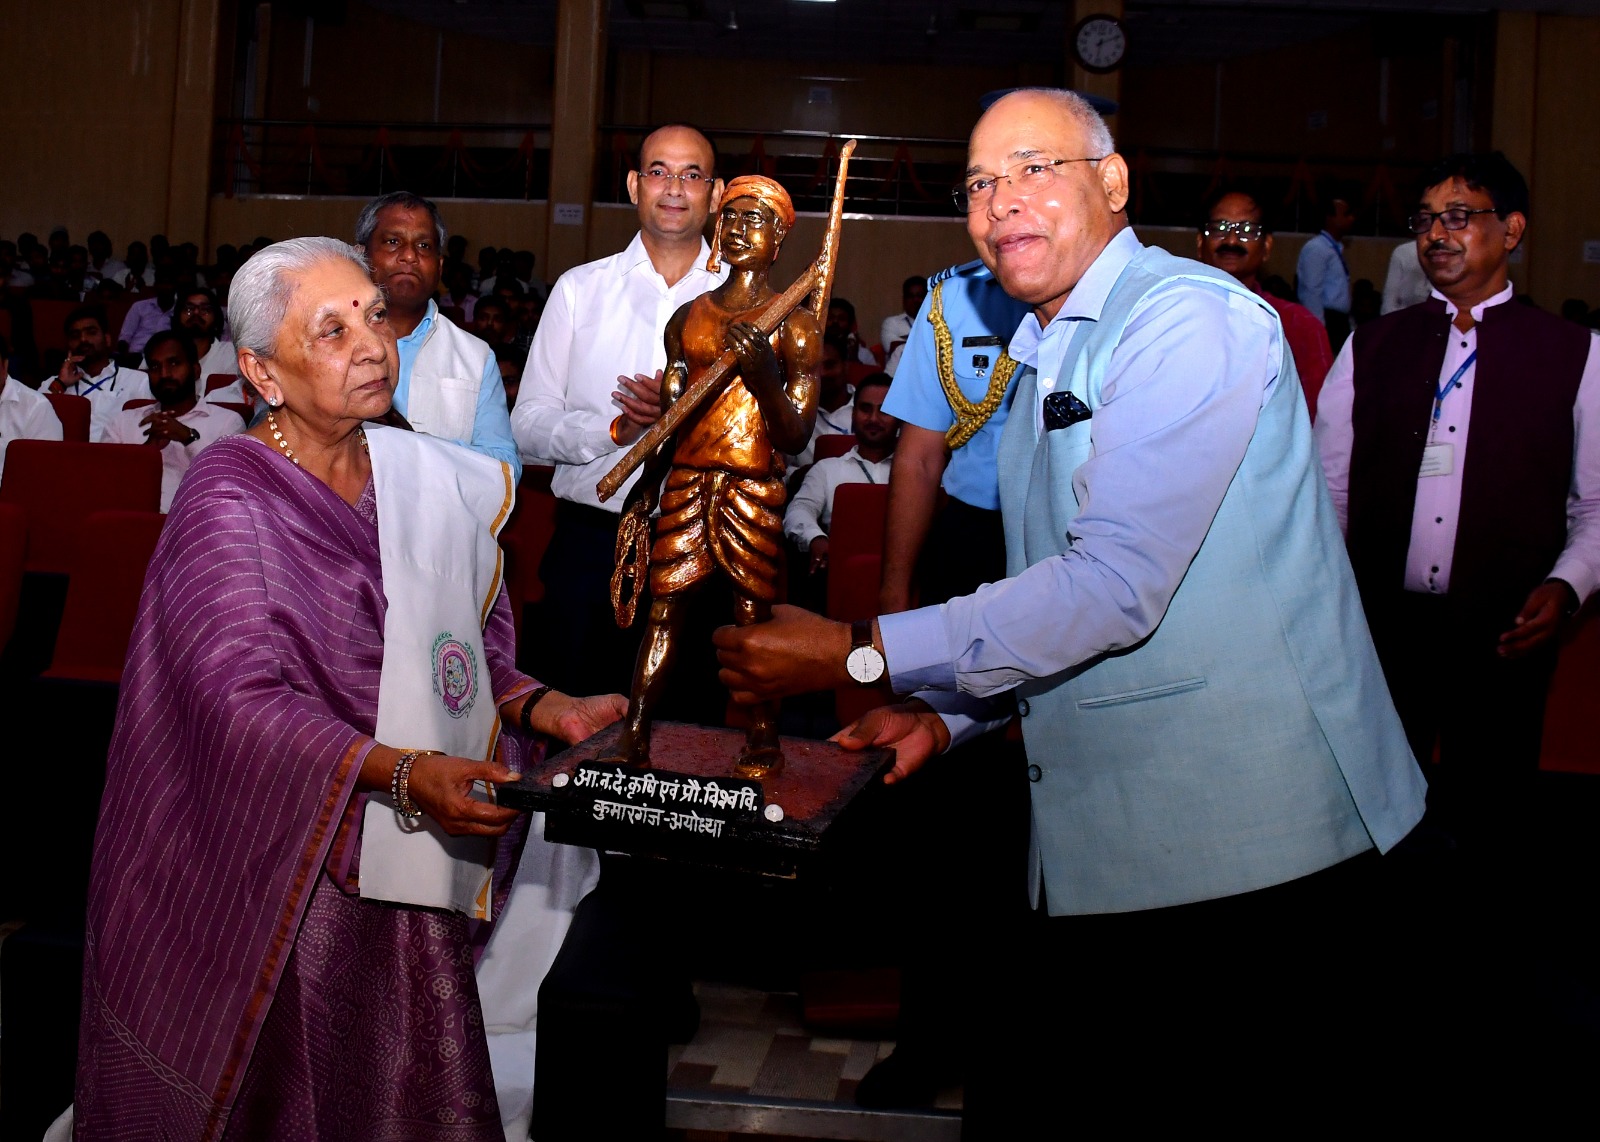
(455, 674)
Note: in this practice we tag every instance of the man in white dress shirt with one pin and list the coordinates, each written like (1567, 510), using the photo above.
(89, 370)
(24, 413)
(810, 514)
(835, 407)
(896, 328)
(593, 385)
(179, 423)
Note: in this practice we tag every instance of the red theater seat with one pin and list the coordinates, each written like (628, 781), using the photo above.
(13, 550)
(215, 381)
(74, 413)
(113, 551)
(59, 483)
(1571, 721)
(831, 445)
(855, 570)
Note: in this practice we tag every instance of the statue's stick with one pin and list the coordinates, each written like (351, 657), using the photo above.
(817, 281)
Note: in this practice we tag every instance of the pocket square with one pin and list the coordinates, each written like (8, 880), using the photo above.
(1062, 410)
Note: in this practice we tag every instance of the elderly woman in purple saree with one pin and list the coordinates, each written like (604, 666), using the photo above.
(236, 984)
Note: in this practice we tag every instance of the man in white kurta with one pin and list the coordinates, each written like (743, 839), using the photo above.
(179, 424)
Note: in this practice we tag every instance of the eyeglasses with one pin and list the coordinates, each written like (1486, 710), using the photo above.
(1244, 231)
(1456, 218)
(689, 180)
(203, 307)
(1030, 178)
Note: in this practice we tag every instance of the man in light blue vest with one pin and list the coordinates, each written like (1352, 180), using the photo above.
(1213, 755)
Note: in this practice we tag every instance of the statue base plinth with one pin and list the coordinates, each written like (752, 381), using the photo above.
(689, 806)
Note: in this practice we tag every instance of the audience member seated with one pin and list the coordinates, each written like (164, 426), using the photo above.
(511, 360)
(448, 385)
(179, 423)
(13, 274)
(89, 370)
(150, 315)
(55, 283)
(810, 513)
(495, 320)
(842, 322)
(487, 258)
(199, 317)
(24, 413)
(1235, 238)
(137, 275)
(833, 402)
(458, 293)
(896, 327)
(101, 265)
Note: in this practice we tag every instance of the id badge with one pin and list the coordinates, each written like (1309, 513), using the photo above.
(1438, 460)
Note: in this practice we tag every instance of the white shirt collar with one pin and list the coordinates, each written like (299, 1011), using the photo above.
(1477, 311)
(637, 255)
(1087, 299)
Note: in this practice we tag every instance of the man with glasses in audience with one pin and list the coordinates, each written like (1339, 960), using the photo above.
(1460, 441)
(198, 316)
(1235, 239)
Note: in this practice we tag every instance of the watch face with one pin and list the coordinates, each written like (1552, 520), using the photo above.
(865, 664)
(1100, 43)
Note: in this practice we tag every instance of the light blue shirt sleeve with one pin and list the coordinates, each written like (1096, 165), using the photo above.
(1178, 408)
(491, 425)
(1322, 283)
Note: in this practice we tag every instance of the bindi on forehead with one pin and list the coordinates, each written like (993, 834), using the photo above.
(356, 303)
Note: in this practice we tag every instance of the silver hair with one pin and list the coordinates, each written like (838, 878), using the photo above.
(1095, 132)
(367, 220)
(259, 296)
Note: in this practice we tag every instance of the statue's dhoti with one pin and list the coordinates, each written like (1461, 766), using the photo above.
(717, 519)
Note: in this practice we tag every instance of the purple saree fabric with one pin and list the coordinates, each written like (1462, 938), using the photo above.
(250, 690)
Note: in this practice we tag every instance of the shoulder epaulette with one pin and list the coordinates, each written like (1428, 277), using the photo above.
(952, 271)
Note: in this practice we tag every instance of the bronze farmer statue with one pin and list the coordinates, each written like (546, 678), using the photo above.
(721, 507)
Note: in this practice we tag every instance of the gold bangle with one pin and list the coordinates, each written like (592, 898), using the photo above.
(613, 430)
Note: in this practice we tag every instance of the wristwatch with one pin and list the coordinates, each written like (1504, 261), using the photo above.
(194, 436)
(865, 662)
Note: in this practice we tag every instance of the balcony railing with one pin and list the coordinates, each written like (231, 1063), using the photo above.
(888, 176)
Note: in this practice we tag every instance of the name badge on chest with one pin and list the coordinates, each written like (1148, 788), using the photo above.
(1438, 460)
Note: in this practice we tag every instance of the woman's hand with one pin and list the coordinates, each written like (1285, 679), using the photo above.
(576, 719)
(441, 787)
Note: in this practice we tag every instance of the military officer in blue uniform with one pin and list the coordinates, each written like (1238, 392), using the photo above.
(952, 392)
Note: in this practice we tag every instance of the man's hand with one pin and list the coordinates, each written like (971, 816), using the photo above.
(911, 729)
(819, 554)
(1540, 619)
(161, 427)
(70, 375)
(795, 653)
(640, 399)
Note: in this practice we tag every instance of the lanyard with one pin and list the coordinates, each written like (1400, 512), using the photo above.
(1338, 252)
(113, 379)
(865, 471)
(1453, 383)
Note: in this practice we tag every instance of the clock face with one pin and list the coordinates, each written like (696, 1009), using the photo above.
(1100, 43)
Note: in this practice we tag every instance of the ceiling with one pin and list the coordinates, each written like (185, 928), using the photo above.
(952, 31)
